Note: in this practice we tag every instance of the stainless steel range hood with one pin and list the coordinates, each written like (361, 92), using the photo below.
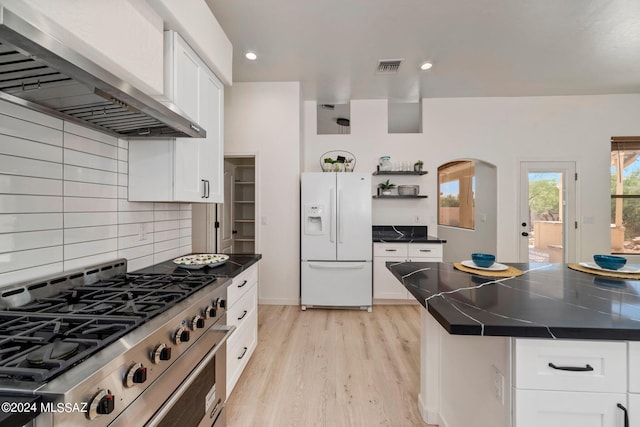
(39, 72)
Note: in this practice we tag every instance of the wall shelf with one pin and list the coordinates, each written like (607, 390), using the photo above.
(393, 196)
(400, 173)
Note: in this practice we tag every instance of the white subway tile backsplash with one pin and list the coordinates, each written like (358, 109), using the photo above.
(28, 185)
(33, 131)
(78, 158)
(85, 234)
(10, 242)
(129, 217)
(21, 147)
(79, 250)
(125, 206)
(18, 260)
(166, 215)
(74, 129)
(18, 203)
(166, 225)
(80, 174)
(90, 204)
(23, 115)
(29, 167)
(27, 274)
(84, 189)
(73, 264)
(89, 219)
(63, 202)
(86, 145)
(10, 223)
(161, 236)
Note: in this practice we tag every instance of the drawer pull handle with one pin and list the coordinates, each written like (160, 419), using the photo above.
(391, 250)
(626, 414)
(242, 284)
(244, 351)
(572, 368)
(425, 250)
(244, 313)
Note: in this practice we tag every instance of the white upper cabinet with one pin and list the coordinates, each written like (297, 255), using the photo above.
(183, 169)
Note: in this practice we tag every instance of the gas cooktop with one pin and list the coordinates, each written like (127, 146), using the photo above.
(50, 326)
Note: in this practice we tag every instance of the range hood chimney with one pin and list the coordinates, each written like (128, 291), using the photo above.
(37, 71)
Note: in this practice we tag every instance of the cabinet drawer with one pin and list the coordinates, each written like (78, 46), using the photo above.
(390, 250)
(240, 311)
(424, 250)
(240, 347)
(241, 284)
(568, 409)
(603, 364)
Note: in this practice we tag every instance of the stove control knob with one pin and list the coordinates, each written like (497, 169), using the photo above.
(181, 335)
(209, 312)
(102, 403)
(161, 352)
(197, 322)
(137, 374)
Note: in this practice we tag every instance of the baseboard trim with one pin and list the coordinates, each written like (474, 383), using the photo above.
(429, 417)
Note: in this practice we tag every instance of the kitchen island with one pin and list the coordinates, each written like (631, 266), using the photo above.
(553, 347)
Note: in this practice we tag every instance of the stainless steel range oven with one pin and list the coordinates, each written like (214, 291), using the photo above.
(105, 348)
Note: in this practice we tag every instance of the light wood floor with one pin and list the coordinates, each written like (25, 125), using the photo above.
(331, 368)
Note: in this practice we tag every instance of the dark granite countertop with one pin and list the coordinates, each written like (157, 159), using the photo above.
(548, 301)
(403, 234)
(236, 264)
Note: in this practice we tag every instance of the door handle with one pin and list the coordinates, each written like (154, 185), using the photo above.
(208, 188)
(586, 368)
(626, 414)
(204, 188)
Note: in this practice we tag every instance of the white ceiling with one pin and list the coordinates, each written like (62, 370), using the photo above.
(478, 47)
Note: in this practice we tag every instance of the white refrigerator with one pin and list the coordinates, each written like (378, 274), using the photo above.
(336, 240)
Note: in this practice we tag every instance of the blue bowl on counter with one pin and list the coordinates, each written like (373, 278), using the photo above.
(483, 260)
(610, 262)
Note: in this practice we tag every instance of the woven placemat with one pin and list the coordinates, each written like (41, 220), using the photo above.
(509, 272)
(578, 267)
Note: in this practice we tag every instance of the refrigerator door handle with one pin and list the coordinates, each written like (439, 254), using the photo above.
(332, 214)
(340, 219)
(334, 266)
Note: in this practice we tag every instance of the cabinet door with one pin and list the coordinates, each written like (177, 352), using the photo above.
(385, 284)
(634, 409)
(212, 150)
(568, 409)
(185, 78)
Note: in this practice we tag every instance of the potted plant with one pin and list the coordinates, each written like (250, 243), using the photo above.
(417, 166)
(327, 165)
(385, 188)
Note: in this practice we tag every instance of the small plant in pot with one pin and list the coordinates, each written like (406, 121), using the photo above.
(417, 166)
(384, 188)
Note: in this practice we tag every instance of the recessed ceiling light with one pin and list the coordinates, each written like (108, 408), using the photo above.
(426, 65)
(251, 56)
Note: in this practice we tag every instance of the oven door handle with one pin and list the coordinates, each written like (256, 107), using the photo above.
(228, 330)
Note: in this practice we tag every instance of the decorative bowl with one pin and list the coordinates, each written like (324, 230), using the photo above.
(483, 260)
(610, 262)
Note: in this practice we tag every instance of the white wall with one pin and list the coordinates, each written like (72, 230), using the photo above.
(103, 31)
(264, 119)
(63, 202)
(500, 131)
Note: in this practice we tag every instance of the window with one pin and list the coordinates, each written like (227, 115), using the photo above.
(456, 184)
(625, 195)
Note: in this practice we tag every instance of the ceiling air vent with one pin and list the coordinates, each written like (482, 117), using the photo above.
(386, 66)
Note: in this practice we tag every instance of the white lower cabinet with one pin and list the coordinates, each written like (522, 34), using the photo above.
(570, 383)
(242, 312)
(385, 285)
(536, 408)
